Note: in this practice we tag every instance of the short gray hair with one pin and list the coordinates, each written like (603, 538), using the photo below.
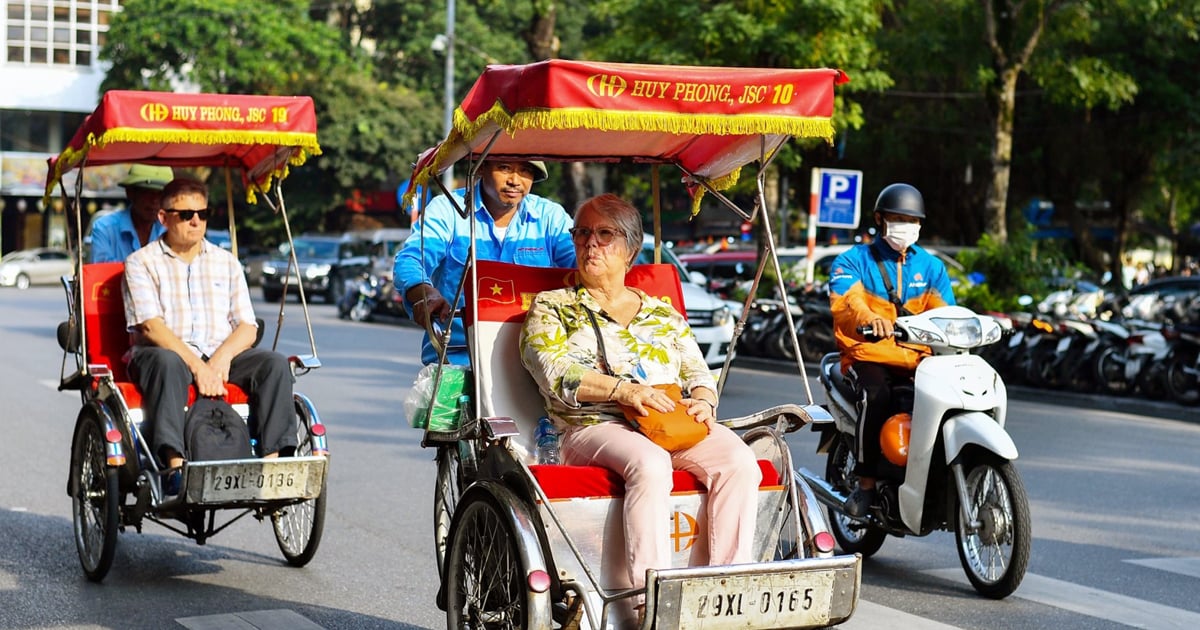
(621, 212)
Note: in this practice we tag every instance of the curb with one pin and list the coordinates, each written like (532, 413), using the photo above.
(1103, 402)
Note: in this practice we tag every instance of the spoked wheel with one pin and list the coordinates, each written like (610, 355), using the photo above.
(485, 570)
(1110, 372)
(95, 498)
(1180, 377)
(446, 493)
(852, 536)
(995, 553)
(298, 527)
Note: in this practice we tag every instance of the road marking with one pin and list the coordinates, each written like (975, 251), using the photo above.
(253, 620)
(1182, 566)
(870, 616)
(1092, 602)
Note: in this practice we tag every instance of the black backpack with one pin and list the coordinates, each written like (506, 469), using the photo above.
(213, 430)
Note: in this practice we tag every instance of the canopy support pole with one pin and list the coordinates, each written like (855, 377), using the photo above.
(229, 208)
(657, 204)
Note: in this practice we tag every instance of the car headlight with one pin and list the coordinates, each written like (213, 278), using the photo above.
(316, 271)
(721, 316)
(268, 269)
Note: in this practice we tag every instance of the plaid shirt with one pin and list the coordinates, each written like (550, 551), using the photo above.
(201, 302)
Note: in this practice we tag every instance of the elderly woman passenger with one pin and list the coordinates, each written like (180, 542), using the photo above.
(647, 342)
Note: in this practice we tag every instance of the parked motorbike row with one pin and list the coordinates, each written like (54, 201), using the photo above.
(766, 333)
(367, 295)
(1104, 351)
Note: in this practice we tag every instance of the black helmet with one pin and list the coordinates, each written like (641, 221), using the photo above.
(901, 199)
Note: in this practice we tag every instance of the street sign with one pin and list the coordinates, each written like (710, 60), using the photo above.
(839, 198)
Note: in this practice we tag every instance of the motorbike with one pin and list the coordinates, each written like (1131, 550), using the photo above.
(951, 470)
(360, 298)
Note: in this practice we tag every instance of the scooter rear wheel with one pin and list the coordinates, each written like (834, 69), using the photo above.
(852, 536)
(995, 554)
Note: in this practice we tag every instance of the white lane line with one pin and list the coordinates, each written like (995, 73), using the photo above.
(1182, 566)
(870, 616)
(281, 619)
(1092, 602)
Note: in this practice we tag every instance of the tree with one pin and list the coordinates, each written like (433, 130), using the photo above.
(370, 132)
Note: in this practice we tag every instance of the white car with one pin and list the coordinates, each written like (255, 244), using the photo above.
(709, 316)
(43, 265)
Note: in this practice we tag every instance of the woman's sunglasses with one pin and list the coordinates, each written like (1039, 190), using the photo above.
(186, 215)
(604, 236)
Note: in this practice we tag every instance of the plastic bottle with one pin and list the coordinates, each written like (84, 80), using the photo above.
(546, 439)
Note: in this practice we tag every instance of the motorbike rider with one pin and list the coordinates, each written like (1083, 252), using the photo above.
(872, 284)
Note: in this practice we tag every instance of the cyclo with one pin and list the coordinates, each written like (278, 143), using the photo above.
(114, 480)
(522, 545)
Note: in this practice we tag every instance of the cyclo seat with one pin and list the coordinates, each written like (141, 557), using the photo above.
(506, 389)
(107, 337)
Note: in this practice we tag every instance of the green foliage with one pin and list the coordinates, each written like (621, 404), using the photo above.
(221, 46)
(1021, 266)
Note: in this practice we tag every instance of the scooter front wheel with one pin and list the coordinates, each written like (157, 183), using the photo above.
(852, 536)
(994, 550)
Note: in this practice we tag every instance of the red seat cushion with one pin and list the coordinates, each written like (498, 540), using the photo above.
(103, 305)
(595, 482)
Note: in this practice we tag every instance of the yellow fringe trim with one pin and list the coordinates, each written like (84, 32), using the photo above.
(613, 120)
(302, 144)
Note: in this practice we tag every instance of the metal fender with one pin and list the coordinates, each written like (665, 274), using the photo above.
(975, 427)
(519, 516)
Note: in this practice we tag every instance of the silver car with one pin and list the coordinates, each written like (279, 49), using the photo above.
(43, 265)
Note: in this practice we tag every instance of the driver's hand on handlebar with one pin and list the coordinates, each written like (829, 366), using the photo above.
(882, 328)
(427, 302)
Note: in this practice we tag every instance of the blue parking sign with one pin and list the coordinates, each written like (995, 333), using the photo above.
(839, 199)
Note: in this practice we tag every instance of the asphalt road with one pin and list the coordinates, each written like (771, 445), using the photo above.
(1114, 495)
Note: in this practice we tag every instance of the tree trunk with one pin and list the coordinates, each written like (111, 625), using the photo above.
(995, 218)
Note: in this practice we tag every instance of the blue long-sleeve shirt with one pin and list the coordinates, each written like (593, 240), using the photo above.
(538, 236)
(114, 238)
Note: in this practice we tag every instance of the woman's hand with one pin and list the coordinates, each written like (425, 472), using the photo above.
(642, 398)
(701, 409)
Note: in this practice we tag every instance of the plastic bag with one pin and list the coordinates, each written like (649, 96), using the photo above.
(444, 416)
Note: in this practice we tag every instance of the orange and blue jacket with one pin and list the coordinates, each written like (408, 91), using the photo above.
(857, 295)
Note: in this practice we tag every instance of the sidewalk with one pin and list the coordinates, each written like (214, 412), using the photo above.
(1168, 410)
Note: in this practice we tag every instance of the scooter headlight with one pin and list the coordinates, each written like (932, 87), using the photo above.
(960, 333)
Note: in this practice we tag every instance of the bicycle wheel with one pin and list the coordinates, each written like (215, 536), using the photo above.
(446, 493)
(485, 572)
(298, 527)
(95, 498)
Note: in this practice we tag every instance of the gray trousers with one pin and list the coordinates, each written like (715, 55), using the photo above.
(163, 379)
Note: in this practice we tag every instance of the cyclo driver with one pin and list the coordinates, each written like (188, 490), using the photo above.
(871, 285)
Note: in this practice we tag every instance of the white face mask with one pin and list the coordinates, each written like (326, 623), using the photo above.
(900, 235)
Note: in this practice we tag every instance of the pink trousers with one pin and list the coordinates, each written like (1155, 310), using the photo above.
(722, 462)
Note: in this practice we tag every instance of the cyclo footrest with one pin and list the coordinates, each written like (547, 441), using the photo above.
(800, 593)
(254, 481)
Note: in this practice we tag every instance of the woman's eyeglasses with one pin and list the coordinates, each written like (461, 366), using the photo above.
(186, 215)
(604, 236)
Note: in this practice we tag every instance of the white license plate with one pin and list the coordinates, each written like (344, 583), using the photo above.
(223, 483)
(751, 601)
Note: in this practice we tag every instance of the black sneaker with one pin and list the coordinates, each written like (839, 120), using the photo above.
(859, 502)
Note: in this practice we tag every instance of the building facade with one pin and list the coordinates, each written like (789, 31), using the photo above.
(50, 78)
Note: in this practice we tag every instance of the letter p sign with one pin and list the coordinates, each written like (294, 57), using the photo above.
(840, 198)
(838, 185)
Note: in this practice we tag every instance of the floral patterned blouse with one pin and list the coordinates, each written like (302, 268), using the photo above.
(558, 346)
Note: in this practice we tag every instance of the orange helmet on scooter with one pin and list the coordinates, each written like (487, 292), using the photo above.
(893, 439)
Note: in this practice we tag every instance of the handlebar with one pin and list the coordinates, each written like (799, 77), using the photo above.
(868, 332)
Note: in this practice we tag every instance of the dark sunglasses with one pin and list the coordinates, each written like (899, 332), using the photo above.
(186, 215)
(604, 236)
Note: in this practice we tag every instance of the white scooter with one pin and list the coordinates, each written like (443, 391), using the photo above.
(958, 474)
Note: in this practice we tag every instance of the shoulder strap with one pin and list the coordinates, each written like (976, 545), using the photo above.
(599, 341)
(893, 295)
